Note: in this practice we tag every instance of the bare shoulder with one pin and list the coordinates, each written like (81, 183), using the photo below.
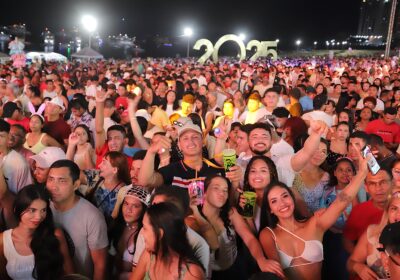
(194, 272)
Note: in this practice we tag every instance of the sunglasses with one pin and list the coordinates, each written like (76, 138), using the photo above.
(180, 124)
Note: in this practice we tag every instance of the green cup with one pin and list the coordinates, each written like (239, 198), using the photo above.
(248, 209)
(229, 158)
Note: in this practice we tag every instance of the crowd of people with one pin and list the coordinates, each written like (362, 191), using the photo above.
(117, 170)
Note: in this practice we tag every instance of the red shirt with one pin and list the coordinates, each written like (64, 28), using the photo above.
(24, 122)
(58, 129)
(362, 215)
(390, 133)
(104, 150)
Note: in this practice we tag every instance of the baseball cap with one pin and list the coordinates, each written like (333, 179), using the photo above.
(48, 156)
(58, 101)
(135, 191)
(185, 124)
(121, 102)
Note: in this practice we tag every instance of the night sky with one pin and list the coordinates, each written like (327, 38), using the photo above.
(262, 20)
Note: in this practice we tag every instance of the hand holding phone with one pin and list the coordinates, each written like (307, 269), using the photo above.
(373, 165)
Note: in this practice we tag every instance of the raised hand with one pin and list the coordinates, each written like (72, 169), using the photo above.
(162, 143)
(73, 139)
(318, 127)
(101, 96)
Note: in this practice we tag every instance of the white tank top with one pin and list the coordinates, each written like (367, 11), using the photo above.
(18, 267)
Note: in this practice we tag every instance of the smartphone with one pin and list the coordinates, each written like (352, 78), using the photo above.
(372, 163)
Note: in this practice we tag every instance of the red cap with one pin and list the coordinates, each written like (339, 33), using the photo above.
(121, 102)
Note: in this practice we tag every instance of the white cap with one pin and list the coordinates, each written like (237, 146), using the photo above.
(143, 113)
(58, 101)
(183, 124)
(48, 156)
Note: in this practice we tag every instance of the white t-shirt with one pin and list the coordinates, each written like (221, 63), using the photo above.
(86, 230)
(318, 115)
(380, 106)
(16, 171)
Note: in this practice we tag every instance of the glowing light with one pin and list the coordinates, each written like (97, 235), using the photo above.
(89, 22)
(298, 42)
(188, 32)
(242, 36)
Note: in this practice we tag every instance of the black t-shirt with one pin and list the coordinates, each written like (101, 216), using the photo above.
(179, 174)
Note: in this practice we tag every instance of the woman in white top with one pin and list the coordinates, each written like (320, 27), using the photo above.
(219, 223)
(170, 104)
(34, 249)
(297, 242)
(365, 261)
(132, 202)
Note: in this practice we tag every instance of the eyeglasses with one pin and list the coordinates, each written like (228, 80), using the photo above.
(180, 124)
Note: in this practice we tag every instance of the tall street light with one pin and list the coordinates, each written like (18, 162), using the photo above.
(298, 43)
(187, 32)
(90, 24)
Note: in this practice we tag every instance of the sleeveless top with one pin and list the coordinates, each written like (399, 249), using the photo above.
(18, 267)
(374, 259)
(226, 254)
(313, 251)
(182, 271)
(311, 196)
(38, 147)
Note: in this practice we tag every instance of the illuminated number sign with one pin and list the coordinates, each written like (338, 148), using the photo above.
(263, 48)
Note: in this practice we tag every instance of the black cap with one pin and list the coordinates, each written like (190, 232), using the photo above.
(390, 236)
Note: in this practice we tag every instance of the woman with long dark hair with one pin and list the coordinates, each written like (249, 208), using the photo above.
(294, 241)
(168, 254)
(128, 214)
(171, 103)
(260, 172)
(221, 223)
(201, 108)
(34, 249)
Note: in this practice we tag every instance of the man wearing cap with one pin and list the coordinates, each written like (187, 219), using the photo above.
(114, 140)
(15, 168)
(43, 161)
(191, 169)
(390, 241)
(55, 124)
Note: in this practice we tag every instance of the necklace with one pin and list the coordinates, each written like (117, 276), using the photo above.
(131, 227)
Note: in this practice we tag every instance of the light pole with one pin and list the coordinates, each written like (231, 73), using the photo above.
(90, 24)
(298, 43)
(187, 32)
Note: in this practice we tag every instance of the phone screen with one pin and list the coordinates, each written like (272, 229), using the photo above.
(372, 163)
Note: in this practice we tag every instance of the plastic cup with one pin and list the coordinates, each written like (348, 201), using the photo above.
(229, 158)
(248, 209)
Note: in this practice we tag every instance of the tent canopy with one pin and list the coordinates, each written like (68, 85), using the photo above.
(46, 56)
(87, 53)
(4, 57)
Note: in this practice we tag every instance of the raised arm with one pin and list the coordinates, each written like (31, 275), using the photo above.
(254, 245)
(100, 135)
(344, 198)
(137, 133)
(147, 176)
(300, 159)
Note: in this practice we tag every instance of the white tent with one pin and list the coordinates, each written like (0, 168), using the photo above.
(4, 57)
(87, 53)
(47, 56)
